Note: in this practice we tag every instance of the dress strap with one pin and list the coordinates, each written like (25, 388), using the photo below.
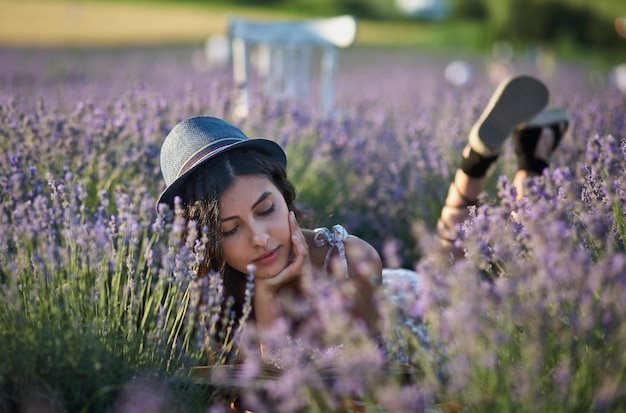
(335, 239)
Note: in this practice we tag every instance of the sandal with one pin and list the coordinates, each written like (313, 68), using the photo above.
(536, 140)
(514, 101)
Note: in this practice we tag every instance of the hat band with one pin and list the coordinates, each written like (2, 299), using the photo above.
(205, 152)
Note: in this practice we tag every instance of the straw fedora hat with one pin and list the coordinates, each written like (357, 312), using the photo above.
(194, 141)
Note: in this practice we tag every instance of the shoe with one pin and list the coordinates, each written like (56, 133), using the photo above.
(537, 139)
(550, 117)
(515, 101)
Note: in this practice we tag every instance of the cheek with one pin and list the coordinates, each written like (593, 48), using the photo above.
(233, 254)
(281, 227)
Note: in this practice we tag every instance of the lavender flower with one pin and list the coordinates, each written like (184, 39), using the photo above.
(89, 266)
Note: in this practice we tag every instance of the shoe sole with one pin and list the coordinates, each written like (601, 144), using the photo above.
(547, 118)
(515, 100)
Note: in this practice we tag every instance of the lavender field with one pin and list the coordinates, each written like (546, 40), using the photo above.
(98, 292)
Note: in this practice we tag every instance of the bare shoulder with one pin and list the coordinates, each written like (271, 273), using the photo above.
(363, 260)
(362, 286)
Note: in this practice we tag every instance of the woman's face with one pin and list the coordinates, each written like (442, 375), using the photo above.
(254, 221)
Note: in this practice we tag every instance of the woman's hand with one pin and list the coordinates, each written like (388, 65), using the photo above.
(299, 266)
(268, 306)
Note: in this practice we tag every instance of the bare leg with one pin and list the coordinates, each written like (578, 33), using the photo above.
(515, 101)
(520, 179)
(535, 142)
(462, 194)
(465, 188)
(456, 210)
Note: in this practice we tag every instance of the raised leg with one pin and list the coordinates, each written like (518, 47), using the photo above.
(515, 101)
(535, 142)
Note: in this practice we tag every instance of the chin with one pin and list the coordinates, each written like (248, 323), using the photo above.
(271, 270)
(265, 273)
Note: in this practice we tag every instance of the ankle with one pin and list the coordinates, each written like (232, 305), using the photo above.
(532, 165)
(535, 142)
(474, 164)
(533, 148)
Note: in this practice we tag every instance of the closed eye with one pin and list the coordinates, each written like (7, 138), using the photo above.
(230, 231)
(263, 213)
(268, 211)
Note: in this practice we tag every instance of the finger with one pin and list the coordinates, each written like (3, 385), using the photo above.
(297, 231)
(299, 254)
(293, 223)
(291, 271)
(298, 251)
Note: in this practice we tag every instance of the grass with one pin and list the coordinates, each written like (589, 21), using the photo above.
(67, 23)
(62, 23)
(549, 337)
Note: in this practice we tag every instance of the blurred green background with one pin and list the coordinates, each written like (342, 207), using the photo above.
(566, 22)
(573, 28)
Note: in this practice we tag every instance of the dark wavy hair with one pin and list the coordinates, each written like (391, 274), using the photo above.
(201, 195)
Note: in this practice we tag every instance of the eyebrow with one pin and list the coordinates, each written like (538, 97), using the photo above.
(262, 198)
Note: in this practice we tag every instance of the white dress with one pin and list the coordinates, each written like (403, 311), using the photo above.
(400, 291)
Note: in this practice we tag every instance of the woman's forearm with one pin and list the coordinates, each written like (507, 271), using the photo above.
(267, 311)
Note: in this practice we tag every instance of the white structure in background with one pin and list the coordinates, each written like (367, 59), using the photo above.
(283, 52)
(458, 72)
(217, 50)
(215, 54)
(501, 65)
(424, 9)
(618, 77)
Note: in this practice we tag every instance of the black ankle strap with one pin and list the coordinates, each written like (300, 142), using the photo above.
(532, 164)
(476, 165)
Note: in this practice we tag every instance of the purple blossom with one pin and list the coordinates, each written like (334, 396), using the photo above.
(79, 175)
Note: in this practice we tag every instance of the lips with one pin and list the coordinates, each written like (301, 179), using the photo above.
(267, 258)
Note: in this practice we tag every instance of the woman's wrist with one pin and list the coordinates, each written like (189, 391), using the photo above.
(267, 305)
(264, 289)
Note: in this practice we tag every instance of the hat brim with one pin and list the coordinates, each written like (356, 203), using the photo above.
(266, 146)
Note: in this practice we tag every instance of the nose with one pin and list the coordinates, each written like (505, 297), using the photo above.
(259, 235)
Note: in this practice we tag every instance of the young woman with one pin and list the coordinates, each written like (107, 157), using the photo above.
(238, 188)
